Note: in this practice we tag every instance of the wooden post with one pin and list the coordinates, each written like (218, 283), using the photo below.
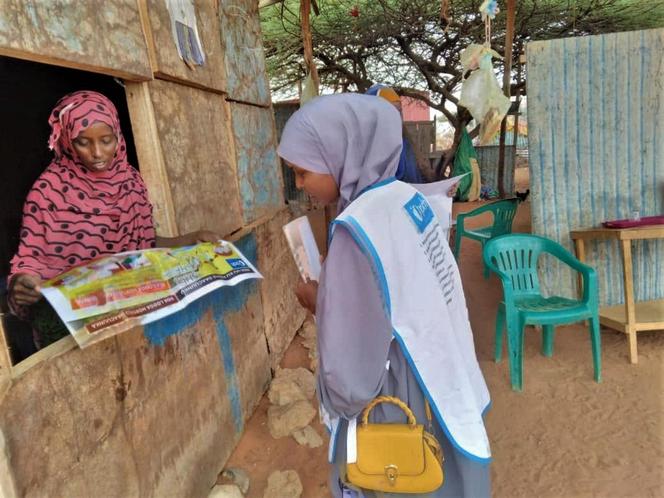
(630, 307)
(5, 361)
(151, 157)
(518, 105)
(507, 80)
(305, 11)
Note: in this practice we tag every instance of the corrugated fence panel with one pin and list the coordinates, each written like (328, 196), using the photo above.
(595, 144)
(487, 157)
(282, 112)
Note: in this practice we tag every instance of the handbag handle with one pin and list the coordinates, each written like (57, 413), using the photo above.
(388, 399)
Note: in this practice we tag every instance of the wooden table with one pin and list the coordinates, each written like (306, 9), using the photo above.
(629, 317)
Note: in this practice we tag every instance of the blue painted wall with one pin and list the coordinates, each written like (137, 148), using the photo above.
(258, 167)
(596, 146)
(243, 51)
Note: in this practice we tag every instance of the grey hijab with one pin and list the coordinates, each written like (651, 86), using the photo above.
(355, 138)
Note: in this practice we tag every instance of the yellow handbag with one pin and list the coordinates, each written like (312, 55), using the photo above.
(396, 458)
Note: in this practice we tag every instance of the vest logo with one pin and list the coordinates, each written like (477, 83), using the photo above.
(419, 211)
(236, 263)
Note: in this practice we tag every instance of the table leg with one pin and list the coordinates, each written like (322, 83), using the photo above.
(630, 312)
(580, 246)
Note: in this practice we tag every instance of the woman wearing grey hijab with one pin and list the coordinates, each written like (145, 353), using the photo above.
(339, 147)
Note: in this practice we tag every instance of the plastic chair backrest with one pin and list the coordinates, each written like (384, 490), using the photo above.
(503, 215)
(514, 257)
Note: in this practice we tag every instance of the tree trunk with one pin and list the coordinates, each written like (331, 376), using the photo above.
(305, 11)
(507, 78)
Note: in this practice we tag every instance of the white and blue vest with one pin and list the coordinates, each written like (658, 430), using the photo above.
(397, 229)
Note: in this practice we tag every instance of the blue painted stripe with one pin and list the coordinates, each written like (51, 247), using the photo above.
(565, 137)
(231, 373)
(628, 136)
(591, 127)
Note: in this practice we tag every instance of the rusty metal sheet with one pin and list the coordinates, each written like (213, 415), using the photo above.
(103, 37)
(194, 131)
(258, 167)
(243, 51)
(169, 64)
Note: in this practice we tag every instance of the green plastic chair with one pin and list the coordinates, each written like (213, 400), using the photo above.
(503, 216)
(514, 259)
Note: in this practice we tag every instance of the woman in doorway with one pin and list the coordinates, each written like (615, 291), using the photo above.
(390, 310)
(88, 203)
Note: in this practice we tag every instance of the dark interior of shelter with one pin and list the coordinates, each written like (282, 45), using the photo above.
(28, 93)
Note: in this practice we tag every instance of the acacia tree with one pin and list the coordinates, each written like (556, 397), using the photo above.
(408, 44)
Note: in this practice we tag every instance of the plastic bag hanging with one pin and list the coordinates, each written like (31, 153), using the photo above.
(309, 90)
(481, 94)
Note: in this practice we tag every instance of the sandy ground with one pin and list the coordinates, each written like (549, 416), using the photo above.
(563, 436)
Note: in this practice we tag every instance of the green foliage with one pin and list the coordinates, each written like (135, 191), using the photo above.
(405, 43)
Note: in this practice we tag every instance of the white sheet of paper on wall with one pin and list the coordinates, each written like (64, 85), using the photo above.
(185, 31)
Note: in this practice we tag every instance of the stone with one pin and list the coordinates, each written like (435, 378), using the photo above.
(287, 381)
(285, 392)
(225, 491)
(308, 331)
(310, 344)
(236, 476)
(282, 421)
(308, 437)
(283, 484)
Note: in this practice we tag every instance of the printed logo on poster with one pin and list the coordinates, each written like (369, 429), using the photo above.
(236, 263)
(419, 211)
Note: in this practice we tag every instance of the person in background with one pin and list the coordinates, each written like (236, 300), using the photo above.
(89, 202)
(383, 330)
(409, 169)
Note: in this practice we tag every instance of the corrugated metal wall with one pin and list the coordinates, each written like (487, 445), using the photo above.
(283, 111)
(596, 133)
(487, 158)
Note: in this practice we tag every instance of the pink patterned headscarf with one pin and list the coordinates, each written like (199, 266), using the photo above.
(73, 215)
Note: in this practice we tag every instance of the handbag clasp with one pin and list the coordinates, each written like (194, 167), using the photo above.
(392, 472)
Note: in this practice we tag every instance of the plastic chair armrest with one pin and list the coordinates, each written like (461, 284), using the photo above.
(588, 273)
(568, 258)
(590, 285)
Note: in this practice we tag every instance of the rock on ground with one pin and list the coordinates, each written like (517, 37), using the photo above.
(225, 491)
(284, 420)
(308, 437)
(290, 385)
(308, 331)
(283, 484)
(237, 477)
